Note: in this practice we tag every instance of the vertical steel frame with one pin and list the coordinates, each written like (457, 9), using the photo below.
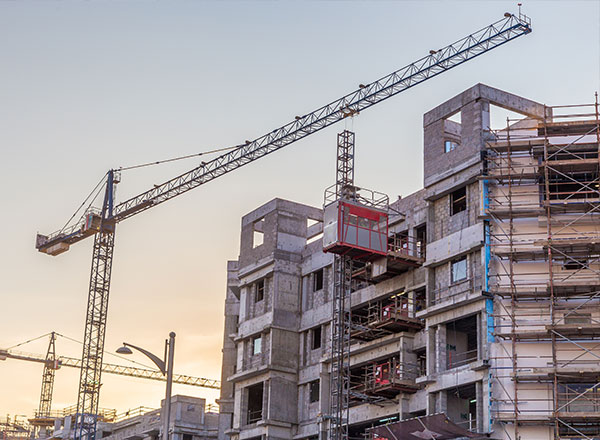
(95, 323)
(341, 322)
(340, 340)
(48, 379)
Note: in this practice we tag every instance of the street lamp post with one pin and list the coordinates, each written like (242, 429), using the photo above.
(166, 367)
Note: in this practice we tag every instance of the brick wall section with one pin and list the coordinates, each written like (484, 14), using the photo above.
(445, 224)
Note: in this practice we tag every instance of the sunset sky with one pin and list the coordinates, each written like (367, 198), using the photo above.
(89, 86)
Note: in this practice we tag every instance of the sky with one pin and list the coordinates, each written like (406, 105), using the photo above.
(90, 86)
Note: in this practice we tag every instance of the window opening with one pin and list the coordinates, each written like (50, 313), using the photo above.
(314, 390)
(318, 280)
(255, 402)
(461, 338)
(259, 293)
(575, 265)
(421, 234)
(316, 338)
(458, 200)
(576, 186)
(463, 401)
(578, 318)
(258, 235)
(420, 299)
(458, 270)
(571, 397)
(450, 146)
(421, 361)
(257, 345)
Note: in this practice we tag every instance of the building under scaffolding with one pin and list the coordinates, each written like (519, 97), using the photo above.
(482, 306)
(542, 206)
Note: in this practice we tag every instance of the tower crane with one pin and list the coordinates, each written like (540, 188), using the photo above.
(52, 363)
(102, 223)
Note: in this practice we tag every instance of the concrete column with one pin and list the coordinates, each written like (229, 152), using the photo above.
(440, 347)
(431, 407)
(430, 222)
(304, 287)
(403, 406)
(480, 339)
(303, 349)
(273, 294)
(484, 348)
(475, 118)
(324, 388)
(429, 286)
(431, 351)
(67, 424)
(412, 244)
(479, 396)
(244, 293)
(266, 407)
(441, 402)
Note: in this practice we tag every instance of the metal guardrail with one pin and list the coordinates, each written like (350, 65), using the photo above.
(454, 359)
(254, 416)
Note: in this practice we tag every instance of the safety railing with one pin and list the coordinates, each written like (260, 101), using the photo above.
(456, 359)
(139, 411)
(403, 245)
(389, 373)
(468, 422)
(254, 415)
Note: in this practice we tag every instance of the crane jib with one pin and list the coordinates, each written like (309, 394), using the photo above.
(378, 91)
(432, 65)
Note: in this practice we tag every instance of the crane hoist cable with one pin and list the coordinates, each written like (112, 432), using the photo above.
(189, 156)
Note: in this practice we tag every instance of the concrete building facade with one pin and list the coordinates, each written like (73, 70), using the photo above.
(438, 323)
(190, 420)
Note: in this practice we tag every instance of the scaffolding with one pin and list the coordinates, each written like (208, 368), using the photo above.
(541, 210)
(15, 427)
(386, 316)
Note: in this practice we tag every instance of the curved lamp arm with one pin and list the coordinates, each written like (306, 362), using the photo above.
(159, 362)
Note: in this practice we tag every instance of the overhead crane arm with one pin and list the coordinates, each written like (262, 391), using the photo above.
(353, 103)
(102, 225)
(143, 373)
(494, 35)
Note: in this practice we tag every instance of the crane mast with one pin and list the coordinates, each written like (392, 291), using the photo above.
(95, 322)
(102, 225)
(341, 319)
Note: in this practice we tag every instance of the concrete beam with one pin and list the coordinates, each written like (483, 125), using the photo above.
(495, 96)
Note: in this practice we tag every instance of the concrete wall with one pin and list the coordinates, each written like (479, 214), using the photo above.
(292, 309)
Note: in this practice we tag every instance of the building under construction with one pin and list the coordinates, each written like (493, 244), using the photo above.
(482, 303)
